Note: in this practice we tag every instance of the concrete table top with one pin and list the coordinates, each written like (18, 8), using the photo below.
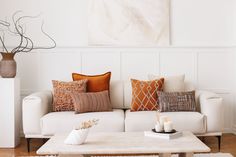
(125, 143)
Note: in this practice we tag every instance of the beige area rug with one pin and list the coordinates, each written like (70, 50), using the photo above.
(195, 155)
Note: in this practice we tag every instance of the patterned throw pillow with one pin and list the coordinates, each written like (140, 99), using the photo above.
(144, 94)
(177, 101)
(96, 83)
(62, 100)
(91, 102)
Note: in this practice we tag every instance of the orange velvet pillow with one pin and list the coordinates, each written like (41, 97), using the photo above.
(96, 83)
(144, 94)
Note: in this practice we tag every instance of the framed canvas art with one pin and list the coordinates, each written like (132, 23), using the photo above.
(128, 23)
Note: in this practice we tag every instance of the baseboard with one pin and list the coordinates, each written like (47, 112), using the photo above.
(228, 130)
(234, 129)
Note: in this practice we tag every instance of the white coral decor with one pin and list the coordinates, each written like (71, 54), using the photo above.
(87, 124)
(79, 135)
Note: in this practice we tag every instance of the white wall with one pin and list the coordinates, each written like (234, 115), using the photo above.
(193, 22)
(203, 37)
(202, 22)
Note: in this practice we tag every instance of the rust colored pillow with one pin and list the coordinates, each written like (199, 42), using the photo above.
(91, 102)
(62, 100)
(144, 94)
(96, 83)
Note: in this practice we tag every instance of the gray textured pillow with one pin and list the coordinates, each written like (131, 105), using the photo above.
(91, 102)
(177, 101)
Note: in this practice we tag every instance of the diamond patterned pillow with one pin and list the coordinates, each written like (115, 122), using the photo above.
(144, 94)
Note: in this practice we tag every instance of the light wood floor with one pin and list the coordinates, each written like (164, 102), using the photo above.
(228, 145)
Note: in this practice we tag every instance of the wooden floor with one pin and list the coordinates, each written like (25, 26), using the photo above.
(228, 146)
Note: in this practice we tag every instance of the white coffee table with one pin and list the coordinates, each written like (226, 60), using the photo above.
(125, 143)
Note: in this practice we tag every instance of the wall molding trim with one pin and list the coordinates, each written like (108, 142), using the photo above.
(151, 47)
(59, 49)
(145, 47)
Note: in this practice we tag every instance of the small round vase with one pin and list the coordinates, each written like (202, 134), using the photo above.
(77, 137)
(8, 65)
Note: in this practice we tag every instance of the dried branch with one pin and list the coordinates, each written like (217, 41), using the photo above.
(54, 42)
(20, 32)
(21, 40)
(4, 23)
(25, 44)
(2, 42)
(26, 48)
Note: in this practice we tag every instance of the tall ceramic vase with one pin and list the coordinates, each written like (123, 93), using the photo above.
(8, 65)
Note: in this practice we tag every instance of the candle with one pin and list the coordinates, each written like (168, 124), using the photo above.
(158, 116)
(158, 127)
(168, 126)
(163, 119)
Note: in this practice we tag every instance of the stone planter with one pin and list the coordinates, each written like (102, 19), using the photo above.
(8, 65)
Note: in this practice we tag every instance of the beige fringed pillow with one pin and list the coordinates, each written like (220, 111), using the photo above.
(62, 100)
(172, 83)
(91, 102)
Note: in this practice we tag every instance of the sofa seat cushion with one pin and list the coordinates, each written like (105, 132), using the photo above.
(63, 122)
(183, 121)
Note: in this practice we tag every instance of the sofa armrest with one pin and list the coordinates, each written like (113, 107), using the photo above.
(211, 106)
(34, 107)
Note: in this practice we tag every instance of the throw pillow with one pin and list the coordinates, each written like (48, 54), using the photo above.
(144, 94)
(177, 101)
(96, 83)
(91, 102)
(62, 100)
(172, 83)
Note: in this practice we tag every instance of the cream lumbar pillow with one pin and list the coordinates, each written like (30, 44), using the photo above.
(172, 83)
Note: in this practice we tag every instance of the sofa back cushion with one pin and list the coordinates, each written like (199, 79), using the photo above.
(127, 94)
(117, 94)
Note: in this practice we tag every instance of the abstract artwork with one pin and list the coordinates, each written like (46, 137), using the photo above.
(128, 22)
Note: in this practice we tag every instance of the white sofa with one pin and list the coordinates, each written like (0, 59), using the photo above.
(39, 122)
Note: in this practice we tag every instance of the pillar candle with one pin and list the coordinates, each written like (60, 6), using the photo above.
(159, 127)
(163, 119)
(168, 126)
